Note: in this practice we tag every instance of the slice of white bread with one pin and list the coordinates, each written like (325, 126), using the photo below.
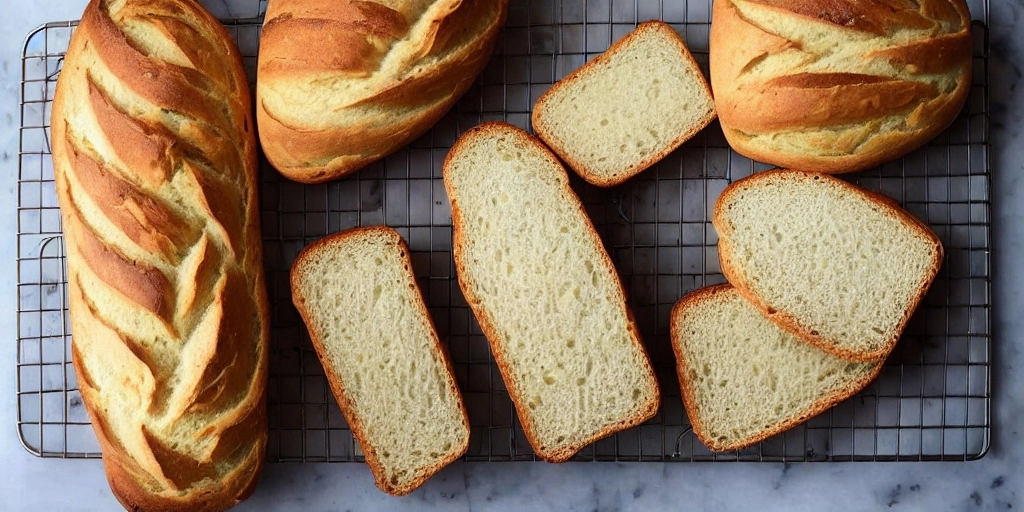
(745, 379)
(841, 267)
(627, 108)
(358, 296)
(545, 293)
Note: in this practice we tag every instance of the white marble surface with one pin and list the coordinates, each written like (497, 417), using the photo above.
(996, 482)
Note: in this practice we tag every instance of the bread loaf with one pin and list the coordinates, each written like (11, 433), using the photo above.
(155, 165)
(837, 86)
(627, 108)
(545, 293)
(745, 379)
(357, 295)
(837, 265)
(342, 83)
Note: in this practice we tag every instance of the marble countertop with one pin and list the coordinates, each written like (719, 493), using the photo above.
(996, 482)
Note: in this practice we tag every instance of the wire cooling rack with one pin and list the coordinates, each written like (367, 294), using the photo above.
(932, 400)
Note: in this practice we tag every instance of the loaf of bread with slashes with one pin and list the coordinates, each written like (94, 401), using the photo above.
(837, 85)
(155, 164)
(342, 83)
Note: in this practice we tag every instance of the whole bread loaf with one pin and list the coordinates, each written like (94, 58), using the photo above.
(381, 354)
(155, 164)
(342, 83)
(837, 85)
(545, 293)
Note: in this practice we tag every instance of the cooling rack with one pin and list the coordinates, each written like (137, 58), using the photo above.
(932, 400)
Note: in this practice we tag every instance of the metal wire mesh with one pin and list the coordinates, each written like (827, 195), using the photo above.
(932, 400)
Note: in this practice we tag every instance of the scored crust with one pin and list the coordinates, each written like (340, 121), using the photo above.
(337, 387)
(887, 206)
(566, 452)
(689, 396)
(414, 99)
(539, 116)
(129, 478)
(848, 97)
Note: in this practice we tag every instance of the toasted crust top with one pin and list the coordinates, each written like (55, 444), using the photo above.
(342, 83)
(837, 86)
(155, 167)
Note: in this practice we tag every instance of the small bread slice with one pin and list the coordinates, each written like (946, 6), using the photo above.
(744, 378)
(627, 108)
(545, 293)
(837, 265)
(357, 294)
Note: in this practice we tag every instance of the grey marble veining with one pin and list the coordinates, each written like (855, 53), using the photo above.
(994, 483)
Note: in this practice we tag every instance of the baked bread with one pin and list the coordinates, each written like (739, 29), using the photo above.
(745, 379)
(627, 108)
(357, 294)
(837, 86)
(545, 293)
(342, 83)
(155, 165)
(839, 266)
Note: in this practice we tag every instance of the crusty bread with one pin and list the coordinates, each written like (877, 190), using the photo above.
(745, 379)
(342, 83)
(155, 165)
(627, 108)
(841, 267)
(357, 294)
(545, 293)
(837, 86)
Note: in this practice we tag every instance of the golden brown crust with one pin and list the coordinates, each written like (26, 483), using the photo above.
(780, 102)
(683, 371)
(540, 125)
(353, 40)
(159, 281)
(887, 205)
(483, 316)
(337, 386)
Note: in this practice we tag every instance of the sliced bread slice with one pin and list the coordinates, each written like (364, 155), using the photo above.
(744, 378)
(545, 293)
(357, 294)
(627, 108)
(841, 267)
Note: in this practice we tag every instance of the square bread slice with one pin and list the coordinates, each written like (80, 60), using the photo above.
(745, 379)
(841, 267)
(358, 296)
(545, 293)
(627, 108)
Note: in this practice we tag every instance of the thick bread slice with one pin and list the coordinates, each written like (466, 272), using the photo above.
(545, 293)
(841, 267)
(627, 108)
(357, 294)
(744, 379)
